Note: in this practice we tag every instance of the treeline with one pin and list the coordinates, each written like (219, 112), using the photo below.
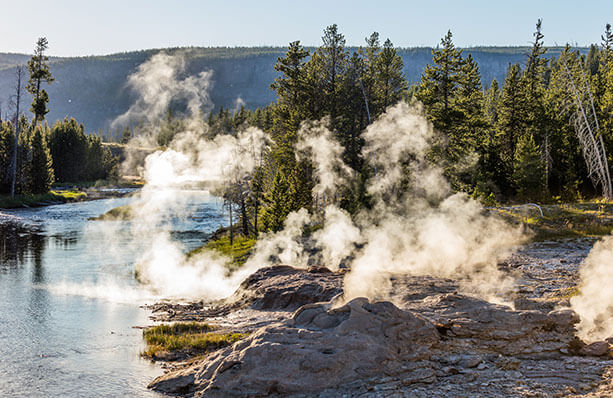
(63, 153)
(510, 141)
(32, 155)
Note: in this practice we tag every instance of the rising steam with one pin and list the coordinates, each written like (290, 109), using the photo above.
(594, 303)
(157, 83)
(416, 226)
(426, 229)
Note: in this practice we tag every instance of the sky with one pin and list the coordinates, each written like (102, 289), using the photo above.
(84, 27)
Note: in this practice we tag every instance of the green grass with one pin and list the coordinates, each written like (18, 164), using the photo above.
(188, 337)
(573, 220)
(239, 251)
(59, 195)
(117, 213)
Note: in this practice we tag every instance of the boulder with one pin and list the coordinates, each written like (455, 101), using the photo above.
(286, 288)
(317, 349)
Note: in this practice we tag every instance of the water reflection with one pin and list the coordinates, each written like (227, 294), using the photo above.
(20, 244)
(55, 342)
(67, 240)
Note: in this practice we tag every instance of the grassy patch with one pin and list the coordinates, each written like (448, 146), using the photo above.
(189, 338)
(575, 220)
(239, 251)
(117, 213)
(60, 195)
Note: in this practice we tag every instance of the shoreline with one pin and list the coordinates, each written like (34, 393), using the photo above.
(63, 195)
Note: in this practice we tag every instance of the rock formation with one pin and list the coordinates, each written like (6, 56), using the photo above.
(432, 342)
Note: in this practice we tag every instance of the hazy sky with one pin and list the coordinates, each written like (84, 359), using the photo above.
(84, 27)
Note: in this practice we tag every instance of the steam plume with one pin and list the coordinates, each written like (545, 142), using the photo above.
(594, 303)
(416, 226)
(157, 82)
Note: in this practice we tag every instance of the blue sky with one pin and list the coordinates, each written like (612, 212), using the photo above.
(84, 27)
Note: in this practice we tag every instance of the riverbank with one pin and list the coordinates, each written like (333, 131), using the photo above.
(71, 192)
(50, 198)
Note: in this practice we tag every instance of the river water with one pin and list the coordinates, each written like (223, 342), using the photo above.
(69, 300)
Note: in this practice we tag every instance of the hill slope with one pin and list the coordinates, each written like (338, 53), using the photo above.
(92, 89)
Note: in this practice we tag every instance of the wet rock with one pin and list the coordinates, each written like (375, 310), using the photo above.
(319, 348)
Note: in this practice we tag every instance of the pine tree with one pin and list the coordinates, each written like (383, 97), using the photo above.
(353, 115)
(301, 186)
(439, 83)
(490, 172)
(390, 81)
(470, 101)
(568, 168)
(68, 145)
(492, 98)
(604, 95)
(276, 204)
(7, 140)
(528, 170)
(510, 124)
(290, 85)
(40, 169)
(607, 43)
(39, 72)
(533, 88)
(328, 64)
(370, 56)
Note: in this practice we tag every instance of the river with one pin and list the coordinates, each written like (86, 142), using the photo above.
(69, 300)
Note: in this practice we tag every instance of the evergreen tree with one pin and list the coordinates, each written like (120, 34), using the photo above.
(276, 204)
(7, 140)
(607, 43)
(492, 98)
(368, 78)
(470, 102)
(490, 172)
(301, 186)
(604, 90)
(528, 171)
(391, 83)
(439, 83)
(510, 125)
(566, 176)
(39, 72)
(592, 61)
(100, 164)
(40, 170)
(289, 86)
(68, 145)
(533, 87)
(328, 64)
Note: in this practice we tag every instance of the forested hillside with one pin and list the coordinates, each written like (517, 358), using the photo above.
(92, 89)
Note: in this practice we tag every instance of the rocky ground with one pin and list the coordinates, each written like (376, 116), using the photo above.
(432, 341)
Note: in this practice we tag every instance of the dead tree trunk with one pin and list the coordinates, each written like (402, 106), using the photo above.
(231, 224)
(588, 132)
(17, 125)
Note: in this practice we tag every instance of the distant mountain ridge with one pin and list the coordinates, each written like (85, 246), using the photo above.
(92, 89)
